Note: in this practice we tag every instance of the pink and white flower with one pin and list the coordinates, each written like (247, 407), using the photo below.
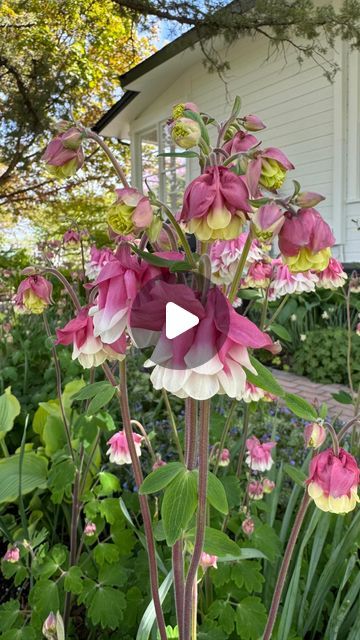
(255, 490)
(258, 275)
(89, 349)
(248, 526)
(12, 555)
(90, 529)
(305, 240)
(33, 295)
(268, 485)
(333, 481)
(207, 561)
(333, 276)
(119, 452)
(225, 256)
(224, 460)
(284, 282)
(252, 393)
(98, 259)
(259, 455)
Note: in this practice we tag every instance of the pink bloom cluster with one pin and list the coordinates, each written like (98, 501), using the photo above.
(98, 259)
(225, 255)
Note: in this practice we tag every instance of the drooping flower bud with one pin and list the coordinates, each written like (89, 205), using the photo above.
(224, 458)
(305, 240)
(267, 221)
(207, 561)
(186, 133)
(259, 455)
(178, 109)
(268, 485)
(63, 160)
(255, 490)
(71, 236)
(158, 463)
(314, 435)
(333, 481)
(90, 529)
(248, 526)
(12, 555)
(33, 295)
(131, 213)
(119, 450)
(49, 627)
(269, 168)
(253, 123)
(258, 275)
(308, 199)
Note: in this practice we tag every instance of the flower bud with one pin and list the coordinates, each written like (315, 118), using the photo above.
(308, 199)
(186, 133)
(207, 561)
(90, 529)
(267, 221)
(33, 295)
(158, 463)
(178, 109)
(131, 213)
(253, 123)
(224, 458)
(12, 555)
(154, 230)
(248, 526)
(62, 126)
(255, 490)
(72, 139)
(63, 160)
(71, 237)
(268, 485)
(314, 435)
(49, 627)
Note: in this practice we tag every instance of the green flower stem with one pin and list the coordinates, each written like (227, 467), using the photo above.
(75, 512)
(277, 311)
(349, 343)
(334, 437)
(243, 442)
(66, 284)
(173, 425)
(201, 515)
(280, 583)
(224, 434)
(178, 569)
(347, 427)
(4, 448)
(144, 505)
(180, 233)
(93, 136)
(264, 309)
(191, 428)
(240, 268)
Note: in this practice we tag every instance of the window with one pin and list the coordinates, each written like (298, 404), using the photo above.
(166, 176)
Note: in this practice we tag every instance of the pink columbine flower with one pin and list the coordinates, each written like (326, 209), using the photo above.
(225, 256)
(49, 627)
(207, 561)
(333, 276)
(71, 236)
(248, 526)
(314, 435)
(12, 555)
(222, 336)
(333, 481)
(90, 529)
(119, 450)
(268, 168)
(284, 282)
(253, 123)
(240, 142)
(64, 154)
(158, 462)
(305, 240)
(255, 490)
(89, 349)
(267, 221)
(215, 205)
(224, 460)
(131, 212)
(33, 295)
(308, 199)
(258, 275)
(252, 393)
(98, 259)
(259, 455)
(268, 485)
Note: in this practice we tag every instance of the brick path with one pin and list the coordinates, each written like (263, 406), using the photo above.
(315, 392)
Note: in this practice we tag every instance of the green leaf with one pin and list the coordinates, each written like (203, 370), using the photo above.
(161, 477)
(110, 510)
(113, 575)
(248, 574)
(217, 543)
(232, 488)
(197, 118)
(216, 494)
(73, 580)
(343, 397)
(300, 407)
(236, 107)
(149, 617)
(249, 294)
(108, 482)
(323, 411)
(44, 597)
(295, 474)
(267, 541)
(251, 618)
(105, 606)
(105, 552)
(280, 331)
(9, 614)
(71, 389)
(179, 504)
(34, 475)
(102, 398)
(25, 633)
(264, 378)
(179, 154)
(91, 390)
(224, 613)
(9, 410)
(61, 475)
(259, 202)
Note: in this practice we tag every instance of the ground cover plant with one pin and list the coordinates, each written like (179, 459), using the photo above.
(168, 487)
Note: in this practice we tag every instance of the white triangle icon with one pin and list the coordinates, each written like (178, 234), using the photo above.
(178, 320)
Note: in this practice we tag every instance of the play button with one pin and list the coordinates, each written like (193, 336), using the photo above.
(178, 320)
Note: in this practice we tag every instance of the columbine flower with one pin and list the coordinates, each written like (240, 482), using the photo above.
(119, 451)
(89, 349)
(64, 154)
(224, 458)
(314, 435)
(255, 490)
(215, 205)
(90, 529)
(268, 485)
(267, 221)
(33, 295)
(308, 199)
(71, 236)
(98, 259)
(305, 240)
(49, 627)
(333, 481)
(239, 142)
(259, 455)
(252, 393)
(186, 133)
(284, 282)
(222, 336)
(253, 123)
(158, 463)
(12, 555)
(207, 561)
(225, 256)
(333, 276)
(258, 275)
(269, 168)
(248, 526)
(131, 212)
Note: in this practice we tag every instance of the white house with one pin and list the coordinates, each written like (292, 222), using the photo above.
(316, 123)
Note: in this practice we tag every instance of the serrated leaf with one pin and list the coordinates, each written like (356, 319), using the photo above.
(264, 378)
(295, 474)
(300, 407)
(178, 505)
(251, 618)
(224, 613)
(9, 614)
(108, 482)
(105, 606)
(248, 574)
(267, 541)
(73, 580)
(101, 399)
(216, 494)
(161, 477)
(44, 597)
(105, 552)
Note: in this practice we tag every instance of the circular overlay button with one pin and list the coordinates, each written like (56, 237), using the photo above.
(184, 317)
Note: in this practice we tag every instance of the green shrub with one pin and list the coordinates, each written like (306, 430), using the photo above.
(322, 356)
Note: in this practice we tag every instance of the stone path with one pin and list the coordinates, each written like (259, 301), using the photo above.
(315, 392)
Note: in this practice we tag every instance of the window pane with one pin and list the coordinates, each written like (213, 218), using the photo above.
(173, 172)
(149, 149)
